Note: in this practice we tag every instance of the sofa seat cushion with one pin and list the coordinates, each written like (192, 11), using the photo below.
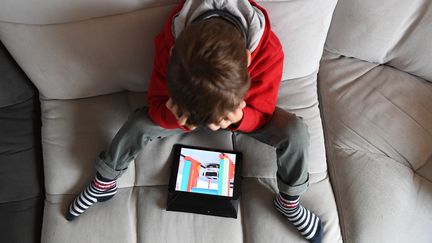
(378, 122)
(128, 222)
(137, 214)
(75, 131)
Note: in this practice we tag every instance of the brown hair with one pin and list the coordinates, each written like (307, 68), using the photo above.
(207, 74)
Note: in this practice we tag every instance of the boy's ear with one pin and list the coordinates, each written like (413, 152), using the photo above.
(248, 55)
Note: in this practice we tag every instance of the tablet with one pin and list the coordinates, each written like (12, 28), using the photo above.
(205, 181)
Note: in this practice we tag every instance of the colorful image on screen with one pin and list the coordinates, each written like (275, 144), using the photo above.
(206, 172)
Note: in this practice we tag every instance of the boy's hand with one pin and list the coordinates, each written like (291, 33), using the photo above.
(231, 118)
(181, 118)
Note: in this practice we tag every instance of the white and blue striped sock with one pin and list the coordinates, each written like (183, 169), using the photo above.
(306, 222)
(99, 190)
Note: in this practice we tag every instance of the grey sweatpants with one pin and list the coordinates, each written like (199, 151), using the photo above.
(286, 132)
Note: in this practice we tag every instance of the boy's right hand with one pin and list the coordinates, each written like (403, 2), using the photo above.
(181, 118)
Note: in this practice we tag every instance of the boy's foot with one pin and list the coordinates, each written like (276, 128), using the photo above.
(306, 222)
(99, 190)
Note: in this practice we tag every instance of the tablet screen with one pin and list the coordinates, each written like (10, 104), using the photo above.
(206, 172)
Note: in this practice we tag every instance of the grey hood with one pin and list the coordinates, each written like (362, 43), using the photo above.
(252, 19)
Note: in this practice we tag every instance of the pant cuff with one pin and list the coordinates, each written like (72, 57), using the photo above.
(292, 190)
(106, 171)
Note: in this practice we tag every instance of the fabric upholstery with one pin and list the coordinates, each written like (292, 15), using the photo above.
(378, 125)
(21, 178)
(19, 152)
(376, 97)
(149, 222)
(21, 221)
(14, 86)
(260, 216)
(93, 72)
(396, 33)
(89, 58)
(59, 11)
(76, 60)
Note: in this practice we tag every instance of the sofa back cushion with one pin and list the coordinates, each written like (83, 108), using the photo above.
(59, 11)
(68, 55)
(393, 32)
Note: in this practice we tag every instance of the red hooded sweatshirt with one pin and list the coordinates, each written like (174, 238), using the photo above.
(265, 72)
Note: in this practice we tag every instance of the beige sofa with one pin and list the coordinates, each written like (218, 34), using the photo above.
(91, 62)
(376, 102)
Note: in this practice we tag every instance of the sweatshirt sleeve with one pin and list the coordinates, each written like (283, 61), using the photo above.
(266, 73)
(157, 94)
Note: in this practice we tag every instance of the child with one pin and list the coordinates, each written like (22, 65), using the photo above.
(217, 65)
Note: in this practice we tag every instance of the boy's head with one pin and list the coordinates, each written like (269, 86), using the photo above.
(207, 74)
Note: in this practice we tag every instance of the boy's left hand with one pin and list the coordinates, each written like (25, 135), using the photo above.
(231, 118)
(182, 119)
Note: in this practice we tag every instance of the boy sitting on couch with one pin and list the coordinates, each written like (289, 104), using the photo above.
(217, 65)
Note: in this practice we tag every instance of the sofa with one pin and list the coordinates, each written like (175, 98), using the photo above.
(376, 102)
(356, 71)
(21, 168)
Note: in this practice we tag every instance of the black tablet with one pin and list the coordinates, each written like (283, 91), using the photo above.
(205, 181)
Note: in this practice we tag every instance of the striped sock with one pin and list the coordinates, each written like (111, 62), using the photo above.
(99, 190)
(306, 222)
